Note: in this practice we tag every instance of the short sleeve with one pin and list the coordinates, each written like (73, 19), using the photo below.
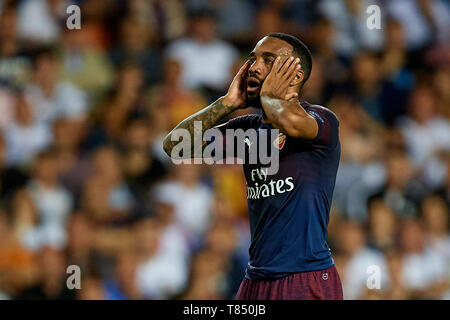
(328, 124)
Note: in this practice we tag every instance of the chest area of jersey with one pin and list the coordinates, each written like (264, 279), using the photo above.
(274, 173)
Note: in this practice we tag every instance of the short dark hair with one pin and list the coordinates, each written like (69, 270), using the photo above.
(300, 49)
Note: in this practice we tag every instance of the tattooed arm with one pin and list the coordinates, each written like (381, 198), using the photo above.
(211, 115)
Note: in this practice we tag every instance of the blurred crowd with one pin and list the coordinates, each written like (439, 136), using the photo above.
(84, 180)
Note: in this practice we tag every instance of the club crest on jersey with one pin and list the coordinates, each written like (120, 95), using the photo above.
(280, 141)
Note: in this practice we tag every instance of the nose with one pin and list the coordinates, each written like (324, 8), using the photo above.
(255, 68)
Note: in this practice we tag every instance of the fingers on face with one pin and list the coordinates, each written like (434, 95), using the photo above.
(276, 65)
(288, 69)
(293, 73)
(247, 65)
(244, 69)
(292, 68)
(286, 66)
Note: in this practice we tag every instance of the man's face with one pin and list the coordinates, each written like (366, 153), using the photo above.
(262, 59)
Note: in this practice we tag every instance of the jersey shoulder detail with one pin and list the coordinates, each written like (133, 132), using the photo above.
(328, 123)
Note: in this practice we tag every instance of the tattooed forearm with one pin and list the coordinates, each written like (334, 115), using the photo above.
(209, 116)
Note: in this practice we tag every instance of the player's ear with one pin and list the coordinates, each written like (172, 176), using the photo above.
(298, 78)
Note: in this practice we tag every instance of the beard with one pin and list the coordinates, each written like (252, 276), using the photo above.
(254, 100)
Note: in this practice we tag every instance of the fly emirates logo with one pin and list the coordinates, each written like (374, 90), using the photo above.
(264, 188)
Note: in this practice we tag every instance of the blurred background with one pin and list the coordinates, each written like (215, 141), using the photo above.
(84, 179)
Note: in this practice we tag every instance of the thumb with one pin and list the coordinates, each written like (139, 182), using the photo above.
(243, 70)
(238, 80)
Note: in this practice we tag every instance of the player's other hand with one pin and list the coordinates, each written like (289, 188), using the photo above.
(236, 95)
(280, 77)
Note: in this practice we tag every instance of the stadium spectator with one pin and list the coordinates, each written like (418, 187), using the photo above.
(50, 97)
(356, 260)
(123, 284)
(427, 21)
(84, 65)
(26, 136)
(16, 261)
(107, 197)
(425, 131)
(171, 98)
(53, 203)
(39, 21)
(159, 275)
(52, 281)
(381, 227)
(402, 192)
(14, 65)
(191, 199)
(11, 177)
(203, 45)
(349, 19)
(136, 44)
(435, 216)
(423, 270)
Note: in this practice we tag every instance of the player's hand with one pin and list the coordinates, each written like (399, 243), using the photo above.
(280, 77)
(236, 95)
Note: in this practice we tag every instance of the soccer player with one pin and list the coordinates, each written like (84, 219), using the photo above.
(288, 210)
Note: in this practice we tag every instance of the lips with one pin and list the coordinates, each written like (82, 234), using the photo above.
(252, 84)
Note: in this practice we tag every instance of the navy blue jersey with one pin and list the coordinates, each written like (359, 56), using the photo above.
(289, 210)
